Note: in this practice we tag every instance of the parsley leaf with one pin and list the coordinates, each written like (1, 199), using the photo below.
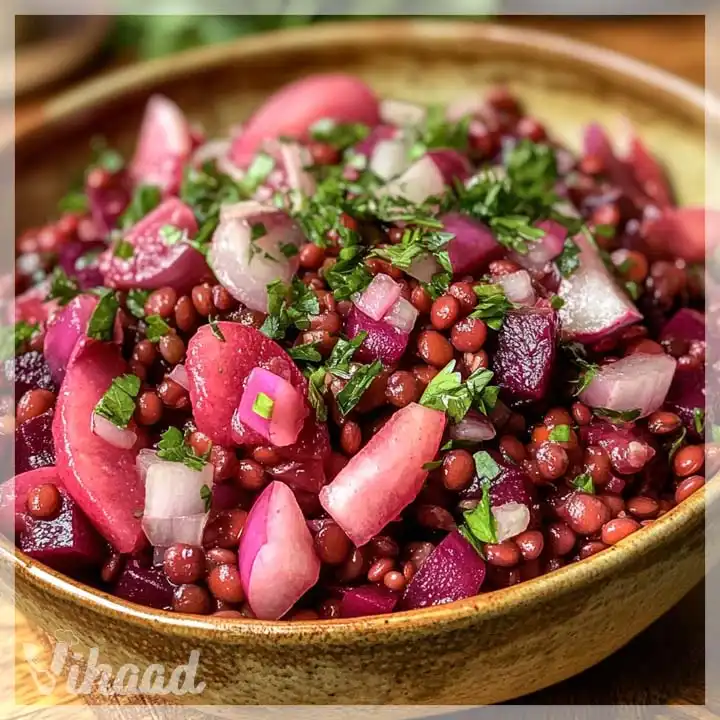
(315, 394)
(587, 370)
(339, 361)
(492, 305)
(676, 444)
(560, 434)
(263, 405)
(633, 289)
(356, 386)
(308, 352)
(556, 302)
(144, 200)
(62, 288)
(123, 250)
(172, 447)
(118, 403)
(485, 466)
(173, 235)
(14, 337)
(568, 261)
(156, 328)
(584, 483)
(206, 497)
(135, 302)
(260, 167)
(617, 416)
(289, 305)
(699, 420)
(433, 465)
(349, 274)
(102, 320)
(74, 202)
(438, 132)
(289, 250)
(105, 157)
(417, 242)
(339, 135)
(480, 522)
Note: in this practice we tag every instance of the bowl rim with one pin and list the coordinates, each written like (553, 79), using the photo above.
(492, 604)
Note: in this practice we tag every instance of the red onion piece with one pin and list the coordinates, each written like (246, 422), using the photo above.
(474, 427)
(389, 158)
(164, 146)
(296, 107)
(113, 435)
(595, 307)
(474, 246)
(401, 113)
(145, 458)
(424, 267)
(291, 155)
(386, 475)
(378, 297)
(451, 164)
(402, 316)
(510, 520)
(518, 288)
(277, 559)
(288, 412)
(383, 341)
(245, 266)
(179, 375)
(547, 248)
(453, 571)
(172, 489)
(163, 532)
(422, 180)
(367, 600)
(379, 133)
(636, 382)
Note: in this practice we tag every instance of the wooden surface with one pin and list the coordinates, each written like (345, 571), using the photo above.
(665, 665)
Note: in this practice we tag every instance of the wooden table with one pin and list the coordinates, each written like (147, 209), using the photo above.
(665, 665)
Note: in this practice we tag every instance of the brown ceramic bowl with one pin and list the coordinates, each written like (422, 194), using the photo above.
(482, 650)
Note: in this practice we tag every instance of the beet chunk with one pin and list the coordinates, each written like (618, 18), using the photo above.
(686, 324)
(686, 395)
(67, 543)
(34, 447)
(526, 352)
(145, 586)
(28, 371)
(512, 484)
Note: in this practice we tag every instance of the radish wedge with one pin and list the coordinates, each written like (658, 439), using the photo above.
(102, 479)
(386, 475)
(295, 108)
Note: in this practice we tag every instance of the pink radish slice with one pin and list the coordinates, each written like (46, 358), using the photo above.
(102, 479)
(245, 267)
(164, 146)
(295, 108)
(277, 559)
(383, 341)
(386, 475)
(422, 180)
(636, 382)
(378, 297)
(210, 151)
(367, 600)
(155, 262)
(301, 475)
(595, 306)
(218, 372)
(272, 407)
(681, 232)
(473, 246)
(453, 571)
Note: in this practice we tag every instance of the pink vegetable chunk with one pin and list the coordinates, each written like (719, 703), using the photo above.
(637, 382)
(628, 447)
(28, 372)
(14, 492)
(295, 108)
(367, 600)
(474, 246)
(686, 324)
(386, 475)
(688, 396)
(378, 297)
(155, 262)
(109, 199)
(102, 479)
(453, 571)
(164, 146)
(451, 164)
(277, 559)
(648, 172)
(383, 341)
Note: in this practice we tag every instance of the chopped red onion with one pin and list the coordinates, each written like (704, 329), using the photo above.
(451, 164)
(510, 520)
(389, 158)
(179, 375)
(637, 382)
(402, 113)
(473, 246)
(518, 288)
(378, 297)
(117, 437)
(145, 458)
(474, 427)
(402, 315)
(293, 162)
(547, 248)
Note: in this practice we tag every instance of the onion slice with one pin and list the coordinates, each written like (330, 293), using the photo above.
(378, 297)
(474, 427)
(518, 288)
(179, 375)
(402, 316)
(174, 490)
(422, 180)
(389, 158)
(163, 532)
(112, 434)
(511, 519)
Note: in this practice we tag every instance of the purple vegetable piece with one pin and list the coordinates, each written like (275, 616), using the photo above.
(226, 496)
(108, 195)
(628, 446)
(81, 260)
(474, 246)
(526, 352)
(144, 585)
(453, 571)
(28, 371)
(451, 164)
(686, 324)
(378, 133)
(367, 600)
(686, 395)
(34, 447)
(511, 485)
(67, 543)
(383, 341)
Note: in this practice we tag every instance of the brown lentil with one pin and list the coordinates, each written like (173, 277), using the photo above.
(402, 388)
(350, 438)
(224, 463)
(444, 312)
(383, 546)
(225, 529)
(465, 295)
(173, 395)
(184, 564)
(597, 465)
(560, 539)
(161, 302)
(689, 460)
(112, 567)
(615, 504)
(266, 455)
(592, 547)
(185, 314)
(395, 580)
(468, 335)
(200, 443)
(202, 299)
(643, 508)
(330, 322)
(474, 361)
(44, 501)
(222, 299)
(687, 487)
(421, 300)
(172, 348)
(505, 554)
(33, 403)
(192, 599)
(149, 408)
(435, 517)
(618, 529)
(353, 567)
(458, 468)
(434, 349)
(552, 460)
(586, 514)
(557, 416)
(332, 544)
(144, 352)
(250, 475)
(512, 448)
(379, 569)
(219, 556)
(530, 544)
(223, 581)
(581, 413)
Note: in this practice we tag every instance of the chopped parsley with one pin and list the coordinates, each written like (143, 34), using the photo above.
(74, 202)
(560, 434)
(62, 288)
(349, 274)
(699, 420)
(568, 261)
(356, 386)
(416, 242)
(289, 250)
(316, 386)
(617, 416)
(260, 167)
(339, 135)
(172, 447)
(584, 483)
(479, 523)
(144, 200)
(437, 131)
(105, 157)
(135, 302)
(633, 289)
(215, 328)
(156, 328)
(123, 250)
(433, 465)
(206, 497)
(14, 337)
(102, 320)
(339, 361)
(676, 444)
(118, 403)
(257, 231)
(485, 467)
(492, 305)
(556, 302)
(289, 305)
(308, 352)
(173, 235)
(263, 405)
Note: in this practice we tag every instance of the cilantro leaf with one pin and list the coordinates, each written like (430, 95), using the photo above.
(74, 202)
(617, 416)
(480, 522)
(438, 132)
(260, 167)
(560, 434)
(568, 261)
(144, 200)
(315, 394)
(485, 467)
(14, 337)
(135, 302)
(356, 386)
(172, 447)
(118, 403)
(123, 250)
(339, 361)
(584, 483)
(62, 288)
(105, 157)
(156, 328)
(102, 320)
(676, 444)
(308, 352)
(215, 328)
(699, 420)
(206, 497)
(289, 305)
(339, 135)
(492, 305)
(349, 274)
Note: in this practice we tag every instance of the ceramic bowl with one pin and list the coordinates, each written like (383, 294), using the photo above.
(482, 650)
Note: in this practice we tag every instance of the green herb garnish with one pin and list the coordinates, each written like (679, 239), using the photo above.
(433, 465)
(62, 288)
(699, 420)
(308, 352)
(436, 131)
(144, 200)
(263, 405)
(617, 416)
(215, 328)
(556, 302)
(74, 202)
(356, 386)
(173, 235)
(492, 305)
(14, 337)
(289, 250)
(569, 259)
(315, 394)
(560, 434)
(118, 403)
(206, 497)
(135, 302)
(339, 135)
(485, 467)
(156, 328)
(172, 447)
(123, 250)
(584, 483)
(289, 305)
(480, 522)
(102, 320)
(339, 361)
(676, 444)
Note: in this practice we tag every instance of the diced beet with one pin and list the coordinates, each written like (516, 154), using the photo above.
(511, 485)
(109, 199)
(102, 479)
(68, 542)
(367, 600)
(681, 232)
(306, 475)
(451, 164)
(217, 373)
(226, 496)
(383, 341)
(474, 246)
(155, 262)
(525, 357)
(28, 371)
(686, 395)
(453, 571)
(81, 260)
(686, 324)
(145, 586)
(629, 447)
(34, 447)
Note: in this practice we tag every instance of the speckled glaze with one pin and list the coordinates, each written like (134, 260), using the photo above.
(483, 650)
